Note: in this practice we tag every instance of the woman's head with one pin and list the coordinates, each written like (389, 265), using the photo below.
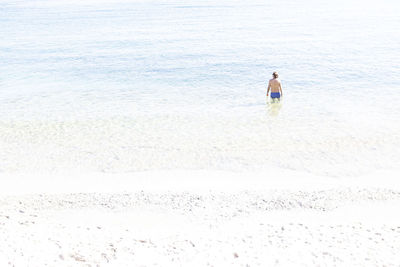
(275, 75)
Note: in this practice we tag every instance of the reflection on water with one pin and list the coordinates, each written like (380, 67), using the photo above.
(273, 107)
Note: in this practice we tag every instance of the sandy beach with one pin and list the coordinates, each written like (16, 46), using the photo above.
(224, 219)
(140, 133)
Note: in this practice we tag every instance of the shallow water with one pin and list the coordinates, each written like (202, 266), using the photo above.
(121, 86)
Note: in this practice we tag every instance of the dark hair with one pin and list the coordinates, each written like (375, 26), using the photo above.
(275, 74)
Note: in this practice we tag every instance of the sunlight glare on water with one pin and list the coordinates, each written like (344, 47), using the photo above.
(121, 86)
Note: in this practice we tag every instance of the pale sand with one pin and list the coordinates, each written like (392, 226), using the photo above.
(178, 219)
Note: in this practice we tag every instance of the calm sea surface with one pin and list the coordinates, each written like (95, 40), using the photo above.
(128, 85)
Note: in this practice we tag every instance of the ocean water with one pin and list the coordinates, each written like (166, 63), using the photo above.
(129, 85)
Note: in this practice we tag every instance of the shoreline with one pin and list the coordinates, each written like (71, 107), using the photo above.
(198, 181)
